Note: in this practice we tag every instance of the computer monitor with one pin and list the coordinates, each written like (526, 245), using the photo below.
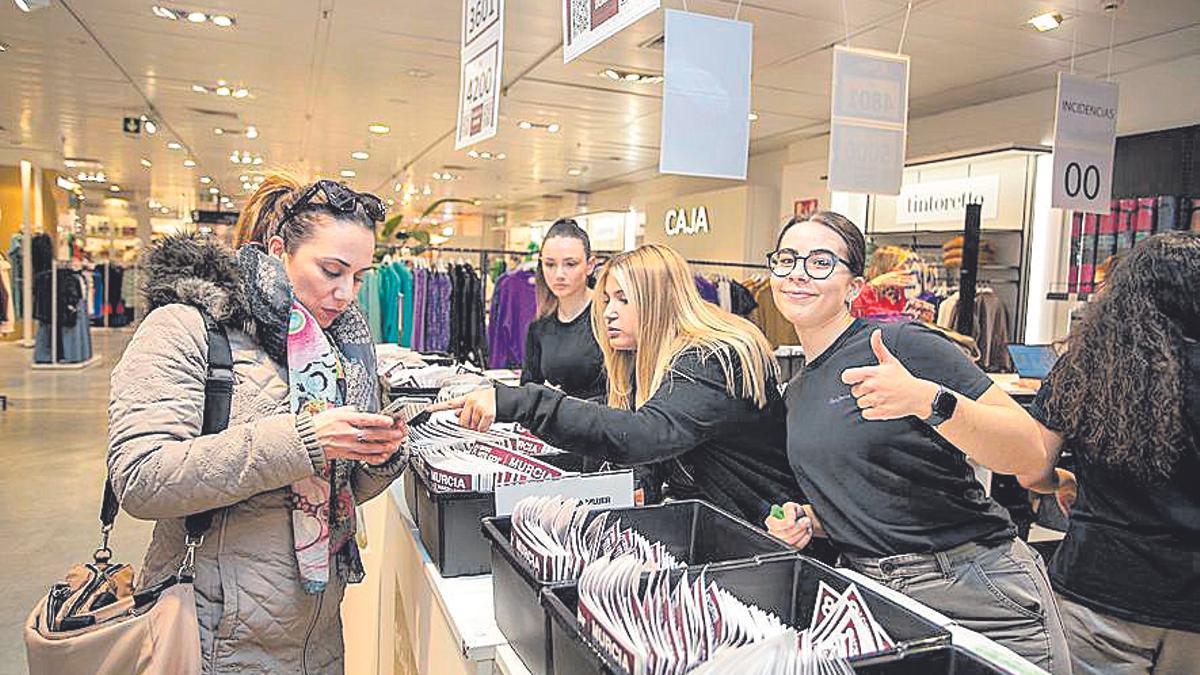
(1033, 362)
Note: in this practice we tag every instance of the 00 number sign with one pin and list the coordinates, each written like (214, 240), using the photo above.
(1079, 179)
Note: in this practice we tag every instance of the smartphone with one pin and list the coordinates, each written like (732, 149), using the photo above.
(406, 408)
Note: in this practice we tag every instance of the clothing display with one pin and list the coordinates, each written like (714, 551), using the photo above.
(514, 306)
(109, 284)
(1097, 237)
(990, 328)
(731, 451)
(8, 312)
(774, 325)
(59, 309)
(1150, 535)
(565, 356)
(17, 261)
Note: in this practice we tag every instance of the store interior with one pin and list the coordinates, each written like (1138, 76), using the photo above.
(124, 123)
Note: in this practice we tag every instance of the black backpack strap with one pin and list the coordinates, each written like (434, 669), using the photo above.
(218, 402)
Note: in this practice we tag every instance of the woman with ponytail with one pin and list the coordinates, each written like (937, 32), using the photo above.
(303, 445)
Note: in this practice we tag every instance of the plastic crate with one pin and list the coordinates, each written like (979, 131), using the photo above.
(786, 587)
(947, 659)
(695, 532)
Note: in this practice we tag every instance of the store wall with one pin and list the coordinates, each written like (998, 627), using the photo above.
(11, 213)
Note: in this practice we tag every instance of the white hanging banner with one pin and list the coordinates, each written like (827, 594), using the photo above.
(869, 120)
(587, 23)
(1085, 138)
(482, 59)
(706, 96)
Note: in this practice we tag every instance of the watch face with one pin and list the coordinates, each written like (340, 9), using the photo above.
(945, 404)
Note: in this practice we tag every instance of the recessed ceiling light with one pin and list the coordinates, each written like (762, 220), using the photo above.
(525, 124)
(632, 77)
(146, 163)
(224, 91)
(164, 210)
(753, 117)
(552, 128)
(205, 180)
(419, 73)
(448, 232)
(189, 163)
(574, 171)
(348, 173)
(114, 188)
(199, 89)
(611, 73)
(222, 20)
(258, 161)
(149, 125)
(214, 191)
(360, 155)
(164, 12)
(218, 131)
(379, 129)
(3, 46)
(502, 156)
(1046, 21)
(197, 17)
(252, 132)
(398, 187)
(426, 190)
(473, 154)
(172, 145)
(241, 92)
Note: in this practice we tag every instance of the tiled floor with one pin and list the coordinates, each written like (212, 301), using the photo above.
(52, 445)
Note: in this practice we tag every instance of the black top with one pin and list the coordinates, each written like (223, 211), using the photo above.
(885, 488)
(733, 450)
(565, 355)
(1133, 551)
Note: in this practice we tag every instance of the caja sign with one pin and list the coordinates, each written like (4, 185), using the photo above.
(681, 221)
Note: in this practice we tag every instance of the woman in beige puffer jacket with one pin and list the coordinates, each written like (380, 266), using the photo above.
(254, 613)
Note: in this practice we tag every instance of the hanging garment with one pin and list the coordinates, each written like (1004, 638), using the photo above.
(514, 307)
(724, 295)
(420, 281)
(468, 336)
(368, 299)
(15, 259)
(707, 289)
(766, 316)
(404, 283)
(989, 328)
(73, 341)
(742, 300)
(389, 304)
(8, 317)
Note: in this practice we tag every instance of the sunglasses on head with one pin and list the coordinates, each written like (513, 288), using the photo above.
(339, 198)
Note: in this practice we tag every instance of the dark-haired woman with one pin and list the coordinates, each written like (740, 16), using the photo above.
(1125, 398)
(881, 423)
(302, 446)
(561, 348)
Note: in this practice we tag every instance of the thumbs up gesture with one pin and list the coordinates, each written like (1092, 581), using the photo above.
(888, 391)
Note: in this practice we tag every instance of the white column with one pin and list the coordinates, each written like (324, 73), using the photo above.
(27, 250)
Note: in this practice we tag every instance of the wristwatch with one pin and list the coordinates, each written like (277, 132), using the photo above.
(944, 405)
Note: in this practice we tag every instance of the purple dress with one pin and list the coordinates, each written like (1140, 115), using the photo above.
(514, 307)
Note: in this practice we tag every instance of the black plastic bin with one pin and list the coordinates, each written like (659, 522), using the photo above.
(695, 532)
(786, 587)
(939, 660)
(449, 521)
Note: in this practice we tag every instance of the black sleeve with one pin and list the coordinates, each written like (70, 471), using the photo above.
(1040, 409)
(532, 370)
(687, 410)
(931, 356)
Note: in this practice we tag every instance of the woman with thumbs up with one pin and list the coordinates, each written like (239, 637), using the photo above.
(881, 423)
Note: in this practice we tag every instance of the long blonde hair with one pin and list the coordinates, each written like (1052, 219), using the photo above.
(672, 318)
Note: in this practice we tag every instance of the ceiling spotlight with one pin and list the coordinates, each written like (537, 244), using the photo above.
(258, 161)
(149, 125)
(426, 190)
(189, 163)
(173, 145)
(218, 131)
(222, 20)
(223, 91)
(164, 13)
(198, 89)
(753, 117)
(348, 173)
(164, 210)
(485, 155)
(146, 163)
(502, 156)
(360, 155)
(3, 46)
(197, 17)
(474, 154)
(114, 188)
(241, 93)
(1046, 21)
(552, 128)
(214, 191)
(633, 77)
(525, 124)
(448, 232)
(574, 171)
(398, 187)
(252, 132)
(379, 129)
(205, 180)
(419, 73)
(611, 73)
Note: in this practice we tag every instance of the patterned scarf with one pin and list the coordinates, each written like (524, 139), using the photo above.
(326, 368)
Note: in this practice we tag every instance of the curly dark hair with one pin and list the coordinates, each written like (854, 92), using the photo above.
(1119, 391)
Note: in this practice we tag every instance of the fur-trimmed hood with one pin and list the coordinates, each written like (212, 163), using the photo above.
(197, 271)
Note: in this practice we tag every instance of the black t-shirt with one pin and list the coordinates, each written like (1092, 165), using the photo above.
(885, 488)
(565, 355)
(1133, 550)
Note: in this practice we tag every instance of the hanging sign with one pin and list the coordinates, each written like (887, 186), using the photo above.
(869, 120)
(587, 23)
(1085, 138)
(946, 200)
(706, 96)
(482, 58)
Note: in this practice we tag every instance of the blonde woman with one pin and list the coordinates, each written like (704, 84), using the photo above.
(688, 383)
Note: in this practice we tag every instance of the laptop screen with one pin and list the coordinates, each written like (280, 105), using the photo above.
(1033, 361)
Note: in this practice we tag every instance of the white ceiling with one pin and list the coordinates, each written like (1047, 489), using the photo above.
(321, 70)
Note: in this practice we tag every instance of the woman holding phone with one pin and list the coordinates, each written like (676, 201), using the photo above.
(688, 384)
(302, 446)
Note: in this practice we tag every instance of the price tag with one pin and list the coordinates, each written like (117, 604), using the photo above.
(482, 60)
(868, 122)
(1085, 138)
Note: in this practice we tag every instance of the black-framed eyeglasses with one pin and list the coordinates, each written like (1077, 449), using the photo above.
(339, 198)
(818, 264)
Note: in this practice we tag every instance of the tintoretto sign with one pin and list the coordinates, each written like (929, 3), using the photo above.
(946, 200)
(683, 221)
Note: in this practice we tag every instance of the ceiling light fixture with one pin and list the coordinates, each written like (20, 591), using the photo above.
(448, 232)
(3, 46)
(214, 191)
(753, 116)
(149, 125)
(197, 17)
(114, 188)
(630, 76)
(223, 91)
(189, 163)
(252, 132)
(360, 155)
(219, 131)
(241, 92)
(378, 129)
(426, 190)
(552, 128)
(348, 173)
(222, 20)
(575, 171)
(164, 210)
(199, 89)
(146, 163)
(164, 13)
(419, 73)
(1046, 22)
(611, 73)
(398, 187)
(173, 145)
(525, 124)
(205, 180)
(473, 154)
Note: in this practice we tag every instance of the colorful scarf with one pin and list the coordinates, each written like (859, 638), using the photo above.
(326, 368)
